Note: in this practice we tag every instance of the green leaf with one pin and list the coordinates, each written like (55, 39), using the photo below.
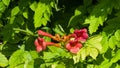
(60, 52)
(34, 54)
(59, 30)
(42, 13)
(98, 15)
(20, 57)
(6, 2)
(94, 23)
(112, 42)
(117, 35)
(110, 29)
(107, 65)
(116, 57)
(33, 6)
(50, 55)
(78, 17)
(1, 25)
(56, 65)
(47, 15)
(16, 58)
(15, 11)
(93, 52)
(83, 53)
(95, 41)
(7, 32)
(25, 14)
(104, 43)
(39, 11)
(87, 2)
(3, 60)
(2, 7)
(117, 66)
(28, 60)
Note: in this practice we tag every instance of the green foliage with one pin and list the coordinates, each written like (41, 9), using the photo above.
(6, 2)
(21, 58)
(20, 20)
(42, 13)
(3, 60)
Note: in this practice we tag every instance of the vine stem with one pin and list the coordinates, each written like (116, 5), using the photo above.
(25, 31)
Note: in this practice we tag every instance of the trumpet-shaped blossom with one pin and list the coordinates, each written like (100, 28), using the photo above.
(74, 40)
(41, 44)
(80, 35)
(73, 46)
(40, 32)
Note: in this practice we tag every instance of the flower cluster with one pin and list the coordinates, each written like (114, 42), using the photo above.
(73, 42)
(76, 40)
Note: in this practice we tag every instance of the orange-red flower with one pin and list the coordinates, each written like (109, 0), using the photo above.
(73, 46)
(40, 32)
(57, 37)
(41, 44)
(81, 35)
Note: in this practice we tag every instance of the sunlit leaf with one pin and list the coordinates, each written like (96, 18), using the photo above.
(83, 53)
(20, 57)
(116, 57)
(112, 42)
(3, 60)
(42, 14)
(98, 15)
(15, 11)
(16, 58)
(117, 35)
(104, 43)
(94, 53)
(33, 6)
(25, 14)
(95, 41)
(2, 7)
(6, 2)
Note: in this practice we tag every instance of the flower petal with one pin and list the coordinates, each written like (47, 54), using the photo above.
(42, 43)
(74, 50)
(40, 32)
(68, 46)
(38, 48)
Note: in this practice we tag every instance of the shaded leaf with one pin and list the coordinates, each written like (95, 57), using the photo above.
(78, 17)
(99, 15)
(110, 29)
